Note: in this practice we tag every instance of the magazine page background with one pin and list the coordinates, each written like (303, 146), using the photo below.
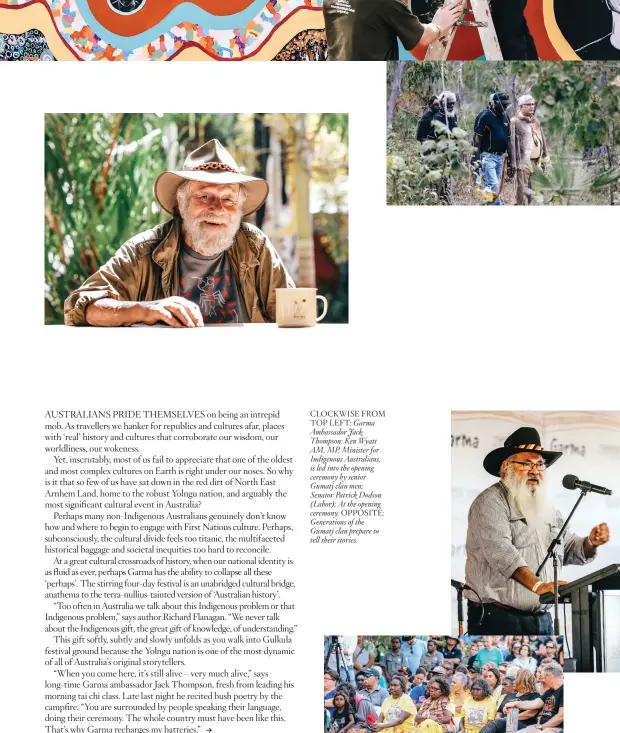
(433, 296)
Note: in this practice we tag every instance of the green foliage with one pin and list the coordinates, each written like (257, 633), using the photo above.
(566, 182)
(578, 106)
(99, 175)
(415, 174)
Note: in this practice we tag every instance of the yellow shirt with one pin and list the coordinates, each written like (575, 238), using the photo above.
(477, 713)
(459, 712)
(392, 709)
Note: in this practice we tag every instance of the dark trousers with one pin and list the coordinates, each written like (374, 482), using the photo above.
(498, 620)
(515, 39)
(495, 726)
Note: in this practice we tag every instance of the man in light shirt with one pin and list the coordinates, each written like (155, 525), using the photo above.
(510, 526)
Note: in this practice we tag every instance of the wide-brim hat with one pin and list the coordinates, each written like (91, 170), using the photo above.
(523, 439)
(210, 163)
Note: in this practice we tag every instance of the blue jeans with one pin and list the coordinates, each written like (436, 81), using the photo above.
(492, 167)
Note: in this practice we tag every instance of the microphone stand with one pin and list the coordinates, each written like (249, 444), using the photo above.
(553, 552)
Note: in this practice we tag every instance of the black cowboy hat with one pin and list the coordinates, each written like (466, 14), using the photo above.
(523, 439)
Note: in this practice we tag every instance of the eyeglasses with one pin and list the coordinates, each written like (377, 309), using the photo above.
(531, 466)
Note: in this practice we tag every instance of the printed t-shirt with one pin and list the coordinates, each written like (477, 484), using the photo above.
(477, 713)
(367, 30)
(494, 132)
(392, 709)
(209, 282)
(553, 700)
(339, 720)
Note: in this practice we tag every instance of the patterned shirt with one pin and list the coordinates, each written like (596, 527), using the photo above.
(209, 282)
(439, 709)
(499, 541)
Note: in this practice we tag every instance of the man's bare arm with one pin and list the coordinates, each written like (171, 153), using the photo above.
(442, 21)
(557, 719)
(177, 312)
(527, 578)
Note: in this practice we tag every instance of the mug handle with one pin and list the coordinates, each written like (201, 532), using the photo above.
(322, 316)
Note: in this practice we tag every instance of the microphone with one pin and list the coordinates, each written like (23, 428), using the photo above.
(572, 482)
(459, 586)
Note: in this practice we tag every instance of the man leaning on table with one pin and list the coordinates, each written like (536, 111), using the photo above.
(204, 266)
(369, 30)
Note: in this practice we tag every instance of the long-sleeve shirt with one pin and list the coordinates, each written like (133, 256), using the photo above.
(499, 540)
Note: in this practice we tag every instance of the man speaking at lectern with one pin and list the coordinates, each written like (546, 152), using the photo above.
(510, 527)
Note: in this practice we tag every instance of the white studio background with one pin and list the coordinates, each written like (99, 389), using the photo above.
(450, 308)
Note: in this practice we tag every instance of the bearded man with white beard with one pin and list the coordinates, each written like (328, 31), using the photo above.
(202, 267)
(510, 527)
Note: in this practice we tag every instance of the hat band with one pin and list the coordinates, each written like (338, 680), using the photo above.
(215, 166)
(529, 446)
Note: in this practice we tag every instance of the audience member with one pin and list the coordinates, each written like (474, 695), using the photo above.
(363, 655)
(394, 659)
(414, 649)
(451, 651)
(436, 713)
(478, 710)
(525, 660)
(459, 692)
(498, 641)
(398, 711)
(330, 680)
(433, 657)
(418, 690)
(495, 683)
(489, 653)
(514, 651)
(373, 692)
(342, 718)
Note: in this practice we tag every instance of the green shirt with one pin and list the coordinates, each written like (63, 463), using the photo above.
(368, 30)
(489, 655)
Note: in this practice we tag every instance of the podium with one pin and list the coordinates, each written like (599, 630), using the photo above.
(587, 601)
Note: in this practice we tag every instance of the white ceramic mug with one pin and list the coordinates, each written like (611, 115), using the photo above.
(296, 307)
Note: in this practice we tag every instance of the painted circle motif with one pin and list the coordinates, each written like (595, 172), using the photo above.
(126, 7)
(28, 46)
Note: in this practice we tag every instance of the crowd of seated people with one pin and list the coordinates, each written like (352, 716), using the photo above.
(467, 685)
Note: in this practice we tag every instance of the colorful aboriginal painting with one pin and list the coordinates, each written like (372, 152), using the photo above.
(235, 30)
(136, 30)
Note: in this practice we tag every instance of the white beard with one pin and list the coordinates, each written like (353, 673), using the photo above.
(534, 505)
(205, 242)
